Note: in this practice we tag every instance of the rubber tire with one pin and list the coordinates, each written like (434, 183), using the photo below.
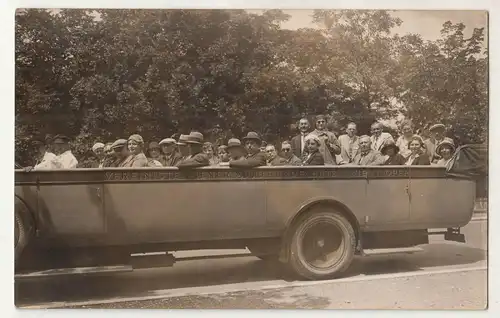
(22, 229)
(349, 245)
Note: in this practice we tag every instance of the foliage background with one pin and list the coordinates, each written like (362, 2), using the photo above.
(99, 75)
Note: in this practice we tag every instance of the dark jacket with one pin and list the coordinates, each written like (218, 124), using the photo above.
(198, 160)
(316, 159)
(278, 161)
(251, 161)
(421, 160)
(296, 144)
(171, 160)
(396, 160)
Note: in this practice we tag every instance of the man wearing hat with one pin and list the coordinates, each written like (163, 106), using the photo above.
(64, 158)
(197, 158)
(235, 149)
(329, 144)
(255, 156)
(98, 150)
(137, 158)
(154, 158)
(437, 133)
(170, 155)
(109, 156)
(366, 156)
(120, 152)
(183, 148)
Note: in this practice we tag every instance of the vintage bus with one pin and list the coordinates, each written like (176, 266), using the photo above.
(312, 219)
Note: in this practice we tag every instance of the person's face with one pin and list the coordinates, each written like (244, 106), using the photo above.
(99, 153)
(209, 151)
(134, 147)
(390, 152)
(312, 146)
(270, 152)
(321, 124)
(445, 153)
(154, 152)
(303, 125)
(168, 148)
(407, 131)
(222, 153)
(41, 150)
(121, 152)
(376, 130)
(108, 151)
(415, 146)
(351, 130)
(184, 150)
(287, 151)
(364, 144)
(251, 146)
(60, 146)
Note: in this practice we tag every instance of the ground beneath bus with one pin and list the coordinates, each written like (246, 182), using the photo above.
(446, 275)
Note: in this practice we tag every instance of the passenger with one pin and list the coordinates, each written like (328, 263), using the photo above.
(64, 158)
(197, 158)
(314, 156)
(272, 157)
(109, 157)
(182, 148)
(98, 150)
(366, 156)
(379, 138)
(155, 157)
(208, 149)
(403, 141)
(170, 156)
(437, 133)
(137, 158)
(445, 149)
(120, 152)
(329, 145)
(349, 145)
(299, 142)
(223, 154)
(255, 157)
(290, 158)
(45, 156)
(235, 149)
(391, 151)
(263, 146)
(418, 154)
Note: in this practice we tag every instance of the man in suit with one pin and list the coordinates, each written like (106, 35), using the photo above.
(197, 157)
(366, 156)
(379, 138)
(272, 157)
(170, 156)
(290, 158)
(437, 132)
(299, 141)
(255, 156)
(329, 144)
(349, 145)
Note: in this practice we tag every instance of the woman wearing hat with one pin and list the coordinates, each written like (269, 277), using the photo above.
(314, 156)
(391, 150)
(445, 149)
(137, 158)
(418, 155)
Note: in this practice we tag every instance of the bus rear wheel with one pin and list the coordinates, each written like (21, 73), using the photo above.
(322, 245)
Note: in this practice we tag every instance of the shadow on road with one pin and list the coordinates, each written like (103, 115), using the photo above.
(226, 271)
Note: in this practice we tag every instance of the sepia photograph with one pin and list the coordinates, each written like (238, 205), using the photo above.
(251, 159)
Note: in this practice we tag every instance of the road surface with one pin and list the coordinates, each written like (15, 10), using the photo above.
(446, 275)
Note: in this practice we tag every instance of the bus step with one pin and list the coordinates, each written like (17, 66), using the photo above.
(389, 251)
(75, 271)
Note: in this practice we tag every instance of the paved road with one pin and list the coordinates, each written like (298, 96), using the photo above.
(444, 275)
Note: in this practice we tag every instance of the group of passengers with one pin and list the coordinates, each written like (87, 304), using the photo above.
(310, 147)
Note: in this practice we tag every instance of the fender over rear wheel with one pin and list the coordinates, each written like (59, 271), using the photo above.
(322, 245)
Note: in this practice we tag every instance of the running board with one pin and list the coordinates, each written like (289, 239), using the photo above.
(390, 251)
(75, 271)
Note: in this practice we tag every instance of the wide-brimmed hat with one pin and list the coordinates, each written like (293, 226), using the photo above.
(168, 141)
(253, 136)
(137, 138)
(387, 145)
(119, 143)
(97, 145)
(183, 140)
(195, 138)
(445, 143)
(234, 143)
(437, 126)
(64, 138)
